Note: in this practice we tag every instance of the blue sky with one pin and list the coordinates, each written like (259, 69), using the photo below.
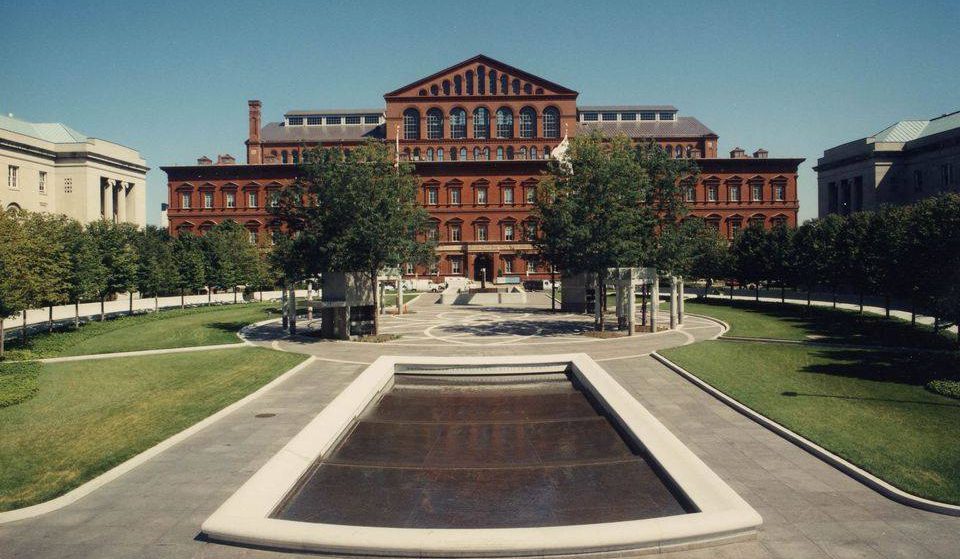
(171, 79)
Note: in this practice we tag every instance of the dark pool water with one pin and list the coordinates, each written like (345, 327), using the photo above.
(453, 456)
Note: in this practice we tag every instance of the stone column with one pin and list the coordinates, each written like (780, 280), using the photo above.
(631, 307)
(680, 310)
(121, 202)
(293, 309)
(108, 200)
(383, 291)
(618, 293)
(673, 302)
(399, 296)
(654, 303)
(309, 300)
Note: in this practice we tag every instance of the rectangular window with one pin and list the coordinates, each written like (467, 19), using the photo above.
(352, 119)
(42, 182)
(508, 265)
(734, 193)
(295, 120)
(648, 115)
(778, 192)
(530, 230)
(455, 233)
(67, 185)
(756, 192)
(508, 232)
(371, 119)
(231, 199)
(333, 120)
(690, 194)
(590, 117)
(12, 172)
(207, 200)
(432, 196)
(481, 232)
(508, 195)
(712, 193)
(454, 196)
(185, 200)
(274, 199)
(433, 233)
(314, 120)
(252, 235)
(455, 267)
(628, 116)
(482, 196)
(251, 199)
(735, 226)
(609, 116)
(666, 116)
(531, 195)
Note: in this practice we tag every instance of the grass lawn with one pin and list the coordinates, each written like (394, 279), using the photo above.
(89, 416)
(162, 330)
(801, 323)
(390, 299)
(869, 406)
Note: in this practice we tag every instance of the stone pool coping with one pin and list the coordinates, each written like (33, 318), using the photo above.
(245, 517)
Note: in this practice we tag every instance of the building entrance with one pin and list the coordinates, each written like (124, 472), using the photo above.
(483, 268)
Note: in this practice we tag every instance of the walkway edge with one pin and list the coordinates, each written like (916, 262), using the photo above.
(857, 473)
(78, 493)
(142, 352)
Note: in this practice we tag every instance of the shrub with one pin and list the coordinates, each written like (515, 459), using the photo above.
(18, 382)
(948, 388)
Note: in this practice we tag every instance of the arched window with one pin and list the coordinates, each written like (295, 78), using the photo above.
(523, 153)
(296, 157)
(481, 80)
(500, 153)
(546, 152)
(669, 150)
(283, 156)
(504, 89)
(406, 154)
(516, 86)
(481, 123)
(504, 123)
(434, 90)
(551, 123)
(446, 87)
(463, 154)
(486, 154)
(411, 124)
(528, 122)
(493, 82)
(679, 152)
(439, 154)
(429, 154)
(476, 154)
(469, 82)
(416, 154)
(453, 154)
(458, 124)
(509, 153)
(458, 85)
(434, 124)
(533, 152)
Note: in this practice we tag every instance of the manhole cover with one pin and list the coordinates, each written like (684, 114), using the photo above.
(264, 415)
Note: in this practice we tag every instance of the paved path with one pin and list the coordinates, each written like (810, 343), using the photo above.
(809, 509)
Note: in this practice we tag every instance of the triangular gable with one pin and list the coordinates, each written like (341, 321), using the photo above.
(545, 87)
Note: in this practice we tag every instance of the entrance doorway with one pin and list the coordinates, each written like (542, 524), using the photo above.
(483, 268)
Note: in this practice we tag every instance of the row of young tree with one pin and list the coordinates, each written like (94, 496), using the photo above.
(48, 260)
(905, 254)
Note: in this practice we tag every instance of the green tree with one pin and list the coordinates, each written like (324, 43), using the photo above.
(86, 275)
(781, 258)
(191, 267)
(15, 271)
(750, 256)
(885, 252)
(115, 244)
(857, 266)
(810, 266)
(232, 258)
(355, 212)
(157, 271)
(48, 261)
(592, 209)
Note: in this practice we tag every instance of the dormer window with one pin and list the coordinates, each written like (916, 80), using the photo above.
(314, 120)
(371, 119)
(295, 120)
(648, 115)
(590, 117)
(628, 116)
(351, 119)
(333, 120)
(666, 116)
(609, 116)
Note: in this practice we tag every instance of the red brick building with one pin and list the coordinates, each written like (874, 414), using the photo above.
(479, 134)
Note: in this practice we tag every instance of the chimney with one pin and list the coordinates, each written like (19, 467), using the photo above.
(254, 149)
(760, 153)
(204, 160)
(225, 159)
(737, 153)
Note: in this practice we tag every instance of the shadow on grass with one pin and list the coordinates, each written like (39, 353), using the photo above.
(793, 394)
(915, 369)
(827, 325)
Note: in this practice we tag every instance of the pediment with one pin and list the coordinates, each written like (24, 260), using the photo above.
(455, 82)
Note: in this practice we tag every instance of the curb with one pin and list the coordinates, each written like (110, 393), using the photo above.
(78, 493)
(813, 343)
(139, 353)
(857, 473)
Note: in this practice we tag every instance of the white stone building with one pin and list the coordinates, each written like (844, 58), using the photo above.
(49, 167)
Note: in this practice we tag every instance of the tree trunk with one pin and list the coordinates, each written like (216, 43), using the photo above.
(284, 311)
(2, 340)
(886, 305)
(131, 302)
(76, 314)
(597, 306)
(809, 296)
(936, 324)
(756, 292)
(643, 304)
(553, 289)
(783, 294)
(103, 313)
(23, 329)
(209, 295)
(861, 301)
(156, 303)
(731, 291)
(292, 300)
(707, 285)
(834, 297)
(234, 294)
(182, 299)
(376, 302)
(50, 320)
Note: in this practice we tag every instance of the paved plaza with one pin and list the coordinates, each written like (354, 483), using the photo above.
(809, 509)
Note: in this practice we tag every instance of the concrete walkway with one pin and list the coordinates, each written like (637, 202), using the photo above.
(809, 509)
